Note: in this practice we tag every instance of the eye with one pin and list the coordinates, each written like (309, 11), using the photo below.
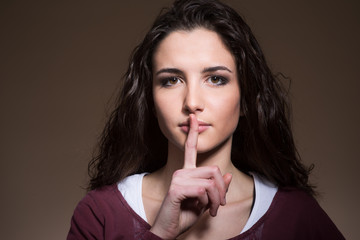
(217, 80)
(170, 81)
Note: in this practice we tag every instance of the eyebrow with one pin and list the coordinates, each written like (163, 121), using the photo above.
(205, 70)
(216, 68)
(169, 70)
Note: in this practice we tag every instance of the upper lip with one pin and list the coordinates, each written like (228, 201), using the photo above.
(201, 123)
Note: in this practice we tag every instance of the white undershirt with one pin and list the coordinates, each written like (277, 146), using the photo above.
(131, 189)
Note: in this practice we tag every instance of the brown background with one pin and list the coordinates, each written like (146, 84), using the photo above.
(60, 62)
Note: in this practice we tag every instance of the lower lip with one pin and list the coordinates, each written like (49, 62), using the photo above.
(202, 128)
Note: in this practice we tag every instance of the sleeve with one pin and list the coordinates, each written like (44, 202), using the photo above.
(319, 224)
(87, 221)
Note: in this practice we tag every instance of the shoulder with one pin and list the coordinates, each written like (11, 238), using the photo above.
(295, 199)
(106, 193)
(92, 212)
(295, 213)
(104, 214)
(297, 204)
(112, 199)
(100, 201)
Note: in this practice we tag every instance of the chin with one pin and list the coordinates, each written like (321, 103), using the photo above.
(209, 148)
(205, 147)
(202, 151)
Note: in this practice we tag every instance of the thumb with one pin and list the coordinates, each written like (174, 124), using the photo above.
(227, 180)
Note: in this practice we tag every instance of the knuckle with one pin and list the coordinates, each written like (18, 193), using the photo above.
(173, 191)
(177, 173)
(201, 191)
(211, 183)
(215, 169)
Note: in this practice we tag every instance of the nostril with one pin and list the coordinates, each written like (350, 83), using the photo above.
(193, 108)
(193, 101)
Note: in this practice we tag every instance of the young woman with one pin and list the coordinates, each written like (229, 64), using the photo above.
(200, 145)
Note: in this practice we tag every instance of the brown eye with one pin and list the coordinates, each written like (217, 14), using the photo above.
(170, 81)
(173, 81)
(217, 80)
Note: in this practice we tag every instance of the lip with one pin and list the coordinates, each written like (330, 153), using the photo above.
(203, 126)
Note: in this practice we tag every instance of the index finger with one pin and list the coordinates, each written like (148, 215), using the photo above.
(191, 143)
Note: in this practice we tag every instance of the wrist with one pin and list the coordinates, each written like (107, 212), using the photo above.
(161, 233)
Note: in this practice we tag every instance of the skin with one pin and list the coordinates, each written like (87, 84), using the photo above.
(197, 102)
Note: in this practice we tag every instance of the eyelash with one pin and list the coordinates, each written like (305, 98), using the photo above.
(166, 81)
(223, 80)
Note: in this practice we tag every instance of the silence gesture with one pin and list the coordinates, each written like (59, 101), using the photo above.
(192, 192)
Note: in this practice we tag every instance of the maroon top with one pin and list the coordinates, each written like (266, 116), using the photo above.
(293, 214)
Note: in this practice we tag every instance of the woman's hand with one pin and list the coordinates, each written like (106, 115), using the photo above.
(192, 192)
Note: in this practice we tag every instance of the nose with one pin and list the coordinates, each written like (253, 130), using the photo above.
(193, 101)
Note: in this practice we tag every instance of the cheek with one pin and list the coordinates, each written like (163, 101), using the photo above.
(232, 113)
(228, 112)
(227, 105)
(164, 110)
(163, 105)
(159, 112)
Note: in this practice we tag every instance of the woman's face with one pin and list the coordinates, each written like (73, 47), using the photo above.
(194, 72)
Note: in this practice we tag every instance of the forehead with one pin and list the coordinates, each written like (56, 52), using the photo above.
(191, 48)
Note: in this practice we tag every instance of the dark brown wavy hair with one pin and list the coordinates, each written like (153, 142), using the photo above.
(262, 143)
